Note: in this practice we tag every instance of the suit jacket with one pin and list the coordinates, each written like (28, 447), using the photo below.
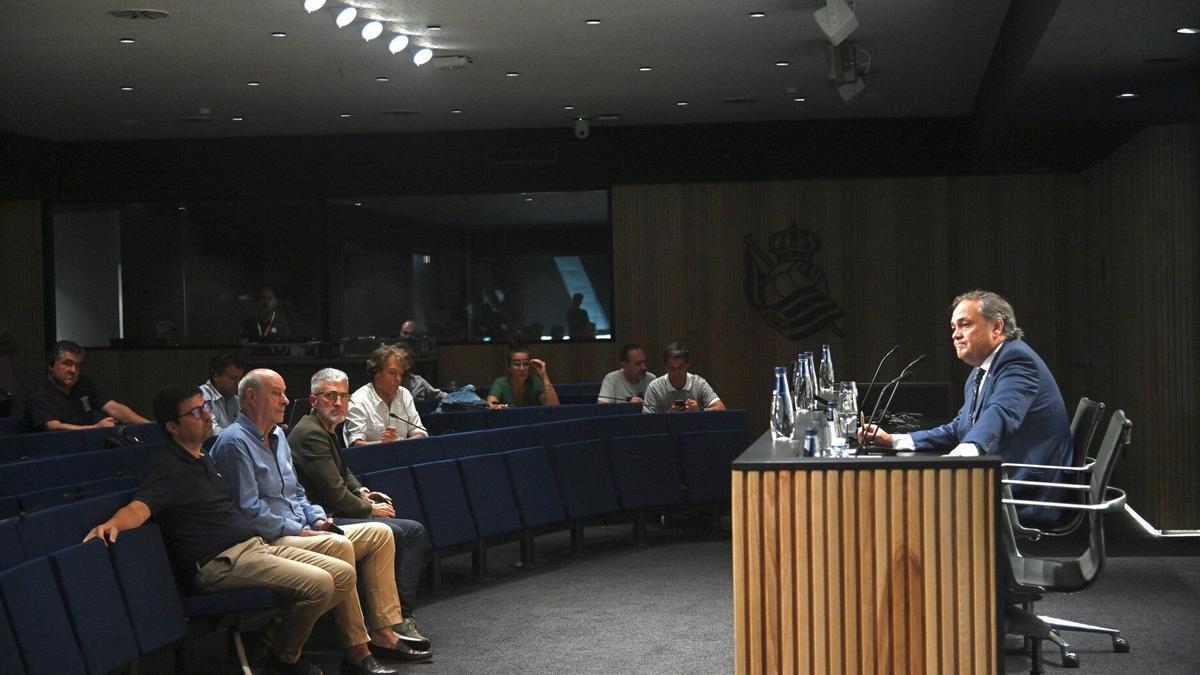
(322, 472)
(1021, 417)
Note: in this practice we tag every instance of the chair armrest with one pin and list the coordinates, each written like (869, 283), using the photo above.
(1038, 483)
(1113, 504)
(1087, 466)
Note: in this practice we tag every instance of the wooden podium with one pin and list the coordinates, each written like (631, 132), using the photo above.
(865, 565)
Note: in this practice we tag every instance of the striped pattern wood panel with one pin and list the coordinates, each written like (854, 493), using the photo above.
(865, 571)
(21, 287)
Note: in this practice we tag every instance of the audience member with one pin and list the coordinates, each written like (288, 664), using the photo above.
(376, 407)
(254, 457)
(518, 388)
(220, 392)
(629, 382)
(68, 399)
(214, 547)
(408, 329)
(329, 483)
(679, 390)
(267, 322)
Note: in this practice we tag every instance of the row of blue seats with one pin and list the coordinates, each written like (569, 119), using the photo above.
(474, 420)
(38, 474)
(475, 488)
(15, 447)
(68, 607)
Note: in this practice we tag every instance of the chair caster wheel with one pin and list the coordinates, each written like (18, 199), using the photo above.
(1070, 660)
(1120, 646)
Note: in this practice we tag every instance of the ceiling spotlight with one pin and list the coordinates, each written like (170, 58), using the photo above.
(1128, 94)
(645, 69)
(423, 56)
(253, 83)
(372, 30)
(456, 111)
(311, 6)
(398, 44)
(1187, 31)
(358, 203)
(568, 107)
(782, 64)
(593, 22)
(757, 15)
(279, 33)
(836, 21)
(529, 199)
(681, 103)
(126, 41)
(235, 119)
(345, 16)
(433, 27)
(381, 78)
(344, 115)
(126, 88)
(512, 74)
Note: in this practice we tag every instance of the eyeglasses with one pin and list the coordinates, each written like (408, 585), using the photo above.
(198, 412)
(334, 396)
(520, 364)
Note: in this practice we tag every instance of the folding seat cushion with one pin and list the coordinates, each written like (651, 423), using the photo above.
(645, 470)
(39, 619)
(466, 444)
(534, 486)
(447, 514)
(564, 431)
(584, 480)
(418, 451)
(489, 491)
(631, 425)
(94, 605)
(511, 438)
(398, 484)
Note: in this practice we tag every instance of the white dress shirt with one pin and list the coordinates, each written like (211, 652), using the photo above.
(368, 416)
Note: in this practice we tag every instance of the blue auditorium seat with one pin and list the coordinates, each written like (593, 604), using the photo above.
(53, 443)
(577, 392)
(96, 439)
(95, 510)
(148, 433)
(9, 507)
(76, 468)
(645, 470)
(398, 484)
(574, 411)
(709, 420)
(30, 475)
(565, 431)
(12, 448)
(132, 460)
(12, 552)
(489, 491)
(93, 603)
(104, 486)
(12, 426)
(631, 425)
(418, 451)
(10, 656)
(511, 438)
(584, 479)
(465, 444)
(705, 457)
(148, 588)
(425, 407)
(50, 529)
(447, 514)
(440, 424)
(39, 620)
(534, 487)
(516, 416)
(36, 500)
(371, 457)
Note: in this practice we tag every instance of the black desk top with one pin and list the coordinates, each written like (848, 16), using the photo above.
(766, 454)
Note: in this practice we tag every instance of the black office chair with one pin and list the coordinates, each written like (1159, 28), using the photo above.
(1034, 576)
(1083, 432)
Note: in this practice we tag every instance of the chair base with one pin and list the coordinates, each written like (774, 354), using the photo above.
(1069, 658)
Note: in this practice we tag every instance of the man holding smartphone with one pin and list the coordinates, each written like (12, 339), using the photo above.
(679, 390)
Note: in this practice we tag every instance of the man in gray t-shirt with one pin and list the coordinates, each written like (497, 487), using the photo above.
(679, 390)
(629, 382)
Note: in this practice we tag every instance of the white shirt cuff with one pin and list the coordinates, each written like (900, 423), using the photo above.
(903, 442)
(964, 450)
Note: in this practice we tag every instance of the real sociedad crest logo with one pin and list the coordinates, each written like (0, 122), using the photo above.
(785, 286)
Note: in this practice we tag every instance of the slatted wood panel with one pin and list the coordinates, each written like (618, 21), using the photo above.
(21, 287)
(865, 571)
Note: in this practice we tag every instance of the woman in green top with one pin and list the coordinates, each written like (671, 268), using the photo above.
(519, 387)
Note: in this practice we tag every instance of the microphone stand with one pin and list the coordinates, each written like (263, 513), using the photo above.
(414, 425)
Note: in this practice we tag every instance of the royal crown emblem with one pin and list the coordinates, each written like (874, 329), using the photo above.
(786, 287)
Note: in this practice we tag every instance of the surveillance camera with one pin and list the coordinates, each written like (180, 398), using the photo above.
(582, 128)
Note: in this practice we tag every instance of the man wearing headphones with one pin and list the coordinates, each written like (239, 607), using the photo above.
(382, 411)
(68, 399)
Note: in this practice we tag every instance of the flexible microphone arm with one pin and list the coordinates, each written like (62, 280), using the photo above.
(867, 394)
(895, 384)
(411, 424)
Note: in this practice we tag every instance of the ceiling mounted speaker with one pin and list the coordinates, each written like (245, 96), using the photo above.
(836, 21)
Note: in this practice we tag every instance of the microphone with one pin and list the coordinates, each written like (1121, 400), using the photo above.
(895, 384)
(414, 425)
(867, 394)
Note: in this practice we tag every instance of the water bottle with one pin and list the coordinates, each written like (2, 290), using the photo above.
(827, 431)
(847, 407)
(783, 415)
(825, 374)
(805, 385)
(810, 442)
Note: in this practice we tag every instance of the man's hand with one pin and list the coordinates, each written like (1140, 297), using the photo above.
(876, 435)
(382, 510)
(107, 532)
(312, 533)
(106, 422)
(376, 497)
(636, 399)
(389, 434)
(691, 404)
(539, 367)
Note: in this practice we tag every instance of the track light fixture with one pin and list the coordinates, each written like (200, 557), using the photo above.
(836, 20)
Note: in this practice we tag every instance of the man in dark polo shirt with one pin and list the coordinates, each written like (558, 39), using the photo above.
(213, 546)
(68, 399)
(329, 483)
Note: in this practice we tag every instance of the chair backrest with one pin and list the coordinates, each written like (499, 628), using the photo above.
(10, 656)
(29, 475)
(50, 529)
(398, 484)
(12, 553)
(511, 438)
(146, 432)
(12, 448)
(447, 515)
(645, 470)
(489, 490)
(565, 431)
(1116, 437)
(93, 602)
(584, 478)
(39, 619)
(1083, 427)
(53, 443)
(371, 457)
(534, 486)
(632, 425)
(147, 585)
(511, 417)
(465, 444)
(418, 451)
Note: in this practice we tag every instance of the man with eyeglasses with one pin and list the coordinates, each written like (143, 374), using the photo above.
(381, 411)
(213, 547)
(519, 387)
(254, 456)
(329, 483)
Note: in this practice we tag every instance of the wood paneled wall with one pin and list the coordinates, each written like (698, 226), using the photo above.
(21, 290)
(865, 571)
(1143, 277)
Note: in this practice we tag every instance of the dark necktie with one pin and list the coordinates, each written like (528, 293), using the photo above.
(979, 373)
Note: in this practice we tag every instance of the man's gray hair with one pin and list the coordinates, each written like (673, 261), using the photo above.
(326, 375)
(253, 379)
(993, 307)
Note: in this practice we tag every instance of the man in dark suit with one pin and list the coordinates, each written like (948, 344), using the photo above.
(1012, 406)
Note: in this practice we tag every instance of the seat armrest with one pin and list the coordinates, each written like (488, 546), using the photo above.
(1038, 483)
(1087, 466)
(1108, 505)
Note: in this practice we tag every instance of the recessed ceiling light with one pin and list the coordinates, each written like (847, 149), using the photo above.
(398, 44)
(456, 111)
(782, 64)
(529, 199)
(279, 33)
(422, 56)
(1187, 31)
(254, 83)
(358, 203)
(311, 6)
(593, 22)
(372, 30)
(1128, 94)
(512, 74)
(235, 119)
(433, 27)
(757, 15)
(681, 103)
(798, 99)
(345, 17)
(344, 115)
(568, 107)
(126, 88)
(645, 69)
(381, 78)
(126, 41)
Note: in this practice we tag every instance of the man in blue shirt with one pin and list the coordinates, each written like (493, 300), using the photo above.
(254, 457)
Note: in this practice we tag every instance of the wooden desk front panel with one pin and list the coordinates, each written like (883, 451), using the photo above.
(865, 571)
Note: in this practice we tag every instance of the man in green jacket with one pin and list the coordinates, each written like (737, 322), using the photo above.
(324, 475)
